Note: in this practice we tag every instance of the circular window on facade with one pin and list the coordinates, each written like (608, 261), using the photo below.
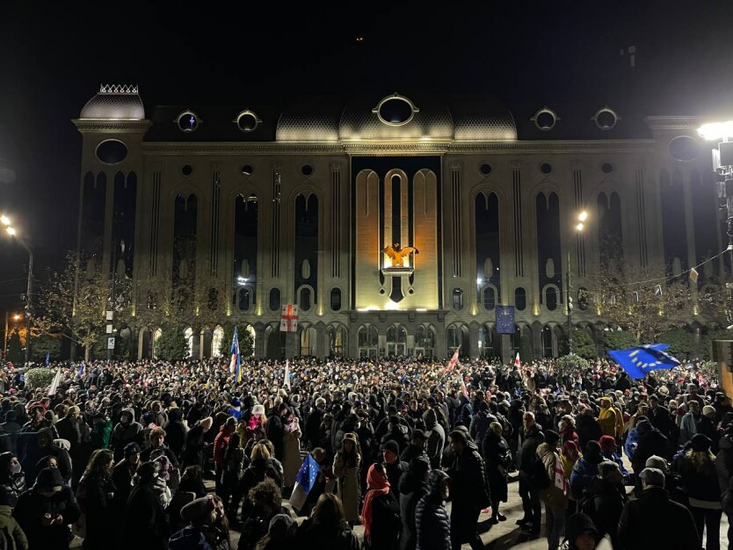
(606, 167)
(605, 118)
(306, 170)
(545, 119)
(247, 170)
(188, 121)
(247, 121)
(546, 168)
(111, 151)
(187, 170)
(684, 148)
(485, 169)
(395, 110)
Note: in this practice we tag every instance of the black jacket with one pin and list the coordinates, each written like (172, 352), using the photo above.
(469, 487)
(319, 537)
(497, 457)
(650, 443)
(654, 521)
(275, 432)
(412, 489)
(193, 448)
(145, 522)
(532, 439)
(587, 429)
(432, 521)
(100, 511)
(604, 504)
(29, 513)
(175, 432)
(385, 532)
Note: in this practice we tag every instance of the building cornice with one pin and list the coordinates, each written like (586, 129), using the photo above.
(396, 148)
(86, 125)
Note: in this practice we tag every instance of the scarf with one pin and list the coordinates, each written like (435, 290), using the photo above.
(378, 485)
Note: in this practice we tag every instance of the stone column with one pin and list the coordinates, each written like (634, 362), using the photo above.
(259, 341)
(321, 341)
(473, 350)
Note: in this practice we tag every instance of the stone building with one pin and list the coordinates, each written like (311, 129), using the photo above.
(295, 204)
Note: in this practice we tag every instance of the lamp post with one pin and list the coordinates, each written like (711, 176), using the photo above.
(580, 225)
(29, 288)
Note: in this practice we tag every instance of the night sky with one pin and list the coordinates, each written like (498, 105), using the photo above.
(53, 58)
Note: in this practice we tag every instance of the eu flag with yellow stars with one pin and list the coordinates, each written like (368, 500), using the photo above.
(505, 320)
(641, 360)
(304, 481)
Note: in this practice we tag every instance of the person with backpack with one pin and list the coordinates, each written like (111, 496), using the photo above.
(605, 500)
(554, 494)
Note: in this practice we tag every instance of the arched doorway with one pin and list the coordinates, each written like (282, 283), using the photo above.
(217, 341)
(457, 336)
(396, 341)
(425, 340)
(308, 338)
(368, 340)
(337, 339)
(274, 342)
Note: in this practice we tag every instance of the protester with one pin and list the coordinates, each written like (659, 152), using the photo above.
(432, 521)
(95, 495)
(346, 466)
(326, 528)
(380, 514)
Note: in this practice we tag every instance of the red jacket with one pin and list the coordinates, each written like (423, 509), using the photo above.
(221, 442)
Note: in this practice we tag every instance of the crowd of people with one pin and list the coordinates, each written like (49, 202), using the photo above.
(412, 450)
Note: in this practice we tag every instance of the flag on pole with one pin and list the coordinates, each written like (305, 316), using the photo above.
(48, 359)
(235, 363)
(55, 384)
(304, 481)
(80, 372)
(517, 362)
(453, 360)
(640, 360)
(286, 381)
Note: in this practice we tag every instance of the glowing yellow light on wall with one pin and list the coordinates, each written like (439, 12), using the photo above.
(536, 309)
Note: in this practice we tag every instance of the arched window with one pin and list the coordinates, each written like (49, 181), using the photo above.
(396, 334)
(520, 299)
(336, 299)
(457, 299)
(305, 298)
(217, 342)
(489, 295)
(275, 299)
(551, 298)
(245, 298)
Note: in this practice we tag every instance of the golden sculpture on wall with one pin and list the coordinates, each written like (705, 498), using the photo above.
(396, 253)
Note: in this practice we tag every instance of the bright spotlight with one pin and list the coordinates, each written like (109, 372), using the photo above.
(11, 231)
(579, 227)
(716, 130)
(4, 220)
(583, 216)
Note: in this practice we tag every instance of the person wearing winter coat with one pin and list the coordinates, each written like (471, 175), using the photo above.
(221, 442)
(346, 467)
(9, 527)
(175, 432)
(639, 526)
(432, 522)
(235, 462)
(275, 430)
(193, 448)
(380, 514)
(326, 528)
(586, 426)
(554, 495)
(95, 495)
(123, 475)
(126, 431)
(650, 442)
(46, 510)
(413, 486)
(724, 467)
(532, 437)
(480, 422)
(469, 490)
(700, 479)
(45, 447)
(265, 502)
(291, 451)
(435, 438)
(393, 466)
(608, 450)
(205, 529)
(261, 468)
(12, 477)
(585, 469)
(145, 525)
(605, 500)
(498, 458)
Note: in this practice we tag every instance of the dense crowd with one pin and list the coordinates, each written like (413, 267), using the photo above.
(119, 453)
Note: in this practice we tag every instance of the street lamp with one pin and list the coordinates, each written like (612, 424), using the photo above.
(5, 220)
(581, 218)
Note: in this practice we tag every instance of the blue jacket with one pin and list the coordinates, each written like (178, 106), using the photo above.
(582, 476)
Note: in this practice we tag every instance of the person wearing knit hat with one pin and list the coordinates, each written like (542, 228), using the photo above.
(609, 451)
(708, 426)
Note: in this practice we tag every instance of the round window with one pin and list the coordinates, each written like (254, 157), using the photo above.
(485, 169)
(684, 148)
(395, 110)
(247, 121)
(187, 170)
(306, 170)
(247, 170)
(605, 119)
(545, 119)
(111, 151)
(606, 167)
(546, 168)
(188, 121)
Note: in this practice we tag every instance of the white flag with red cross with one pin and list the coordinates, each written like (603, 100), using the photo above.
(289, 319)
(517, 362)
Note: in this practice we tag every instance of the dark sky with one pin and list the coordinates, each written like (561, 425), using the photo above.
(53, 58)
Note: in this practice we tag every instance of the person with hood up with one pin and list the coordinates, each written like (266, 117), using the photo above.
(435, 435)
(607, 417)
(380, 514)
(46, 447)
(498, 458)
(175, 431)
(639, 526)
(432, 522)
(280, 534)
(585, 469)
(145, 525)
(413, 486)
(123, 475)
(346, 468)
(469, 488)
(46, 510)
(580, 533)
(605, 499)
(555, 495)
(11, 535)
(12, 477)
(206, 527)
(126, 431)
(326, 527)
(193, 448)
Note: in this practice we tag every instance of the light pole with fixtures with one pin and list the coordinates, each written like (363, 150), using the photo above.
(29, 289)
(581, 219)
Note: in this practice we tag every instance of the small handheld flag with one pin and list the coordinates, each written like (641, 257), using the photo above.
(55, 384)
(235, 363)
(286, 381)
(453, 360)
(517, 362)
(304, 481)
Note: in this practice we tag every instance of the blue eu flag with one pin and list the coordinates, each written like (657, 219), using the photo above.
(304, 481)
(641, 360)
(505, 320)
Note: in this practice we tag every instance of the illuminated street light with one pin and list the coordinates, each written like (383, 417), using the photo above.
(16, 317)
(4, 220)
(579, 227)
(11, 231)
(715, 131)
(583, 216)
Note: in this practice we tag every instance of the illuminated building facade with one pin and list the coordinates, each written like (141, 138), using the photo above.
(297, 204)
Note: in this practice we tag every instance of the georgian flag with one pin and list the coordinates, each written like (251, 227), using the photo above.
(517, 362)
(453, 360)
(235, 363)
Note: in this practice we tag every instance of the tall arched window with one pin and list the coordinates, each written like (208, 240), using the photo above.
(275, 299)
(457, 299)
(520, 299)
